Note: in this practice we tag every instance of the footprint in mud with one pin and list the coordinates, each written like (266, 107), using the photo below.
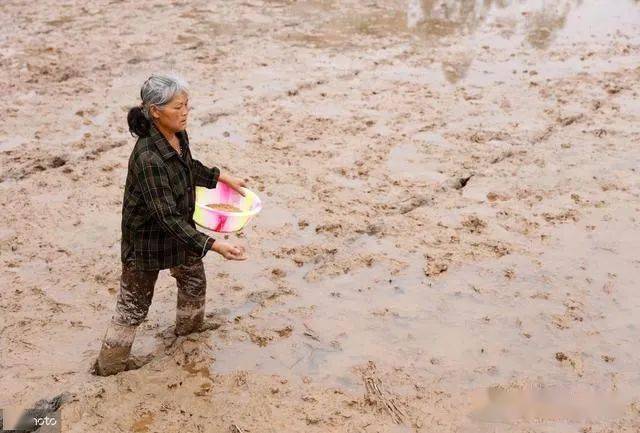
(561, 217)
(262, 296)
(575, 362)
(474, 224)
(141, 425)
(33, 166)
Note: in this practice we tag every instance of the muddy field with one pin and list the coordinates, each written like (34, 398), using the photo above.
(450, 234)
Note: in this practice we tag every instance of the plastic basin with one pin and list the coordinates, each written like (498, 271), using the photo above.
(220, 220)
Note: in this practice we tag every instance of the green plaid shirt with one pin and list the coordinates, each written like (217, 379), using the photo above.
(158, 230)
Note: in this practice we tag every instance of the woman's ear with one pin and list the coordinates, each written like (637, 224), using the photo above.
(154, 112)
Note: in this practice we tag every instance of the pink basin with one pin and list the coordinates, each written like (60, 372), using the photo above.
(223, 221)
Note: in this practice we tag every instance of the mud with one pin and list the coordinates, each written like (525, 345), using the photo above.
(450, 196)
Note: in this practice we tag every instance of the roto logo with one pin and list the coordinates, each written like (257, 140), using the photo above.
(45, 421)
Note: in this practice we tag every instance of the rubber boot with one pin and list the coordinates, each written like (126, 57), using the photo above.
(116, 347)
(189, 314)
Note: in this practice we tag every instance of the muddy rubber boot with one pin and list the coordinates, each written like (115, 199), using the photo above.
(189, 315)
(116, 347)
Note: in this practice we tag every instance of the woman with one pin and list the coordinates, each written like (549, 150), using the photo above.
(158, 231)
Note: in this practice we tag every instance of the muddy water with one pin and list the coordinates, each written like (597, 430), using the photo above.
(356, 122)
(497, 315)
(471, 31)
(474, 315)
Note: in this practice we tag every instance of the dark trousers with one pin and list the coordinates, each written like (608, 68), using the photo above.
(137, 286)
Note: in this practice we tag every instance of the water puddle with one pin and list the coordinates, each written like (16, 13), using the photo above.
(537, 22)
(471, 38)
(525, 316)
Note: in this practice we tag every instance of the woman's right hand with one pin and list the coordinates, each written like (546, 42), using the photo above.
(229, 251)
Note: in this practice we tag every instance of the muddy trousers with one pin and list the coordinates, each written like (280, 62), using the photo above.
(132, 306)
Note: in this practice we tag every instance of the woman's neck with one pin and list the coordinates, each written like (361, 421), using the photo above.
(169, 135)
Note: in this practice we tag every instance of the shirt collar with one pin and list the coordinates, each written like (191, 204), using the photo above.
(163, 144)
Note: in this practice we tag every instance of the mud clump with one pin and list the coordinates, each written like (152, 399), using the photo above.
(474, 224)
(435, 267)
(57, 162)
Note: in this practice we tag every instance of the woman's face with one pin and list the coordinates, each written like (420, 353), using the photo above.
(173, 116)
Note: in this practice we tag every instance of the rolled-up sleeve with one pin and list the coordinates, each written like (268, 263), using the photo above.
(154, 183)
(203, 175)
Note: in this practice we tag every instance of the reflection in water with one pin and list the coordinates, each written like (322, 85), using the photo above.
(443, 17)
(544, 24)
(465, 25)
(438, 18)
(456, 69)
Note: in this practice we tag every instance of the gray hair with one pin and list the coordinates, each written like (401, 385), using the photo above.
(159, 90)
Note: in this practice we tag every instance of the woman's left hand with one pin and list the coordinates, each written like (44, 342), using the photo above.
(234, 183)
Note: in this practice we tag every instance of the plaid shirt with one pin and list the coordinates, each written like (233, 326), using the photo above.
(158, 230)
